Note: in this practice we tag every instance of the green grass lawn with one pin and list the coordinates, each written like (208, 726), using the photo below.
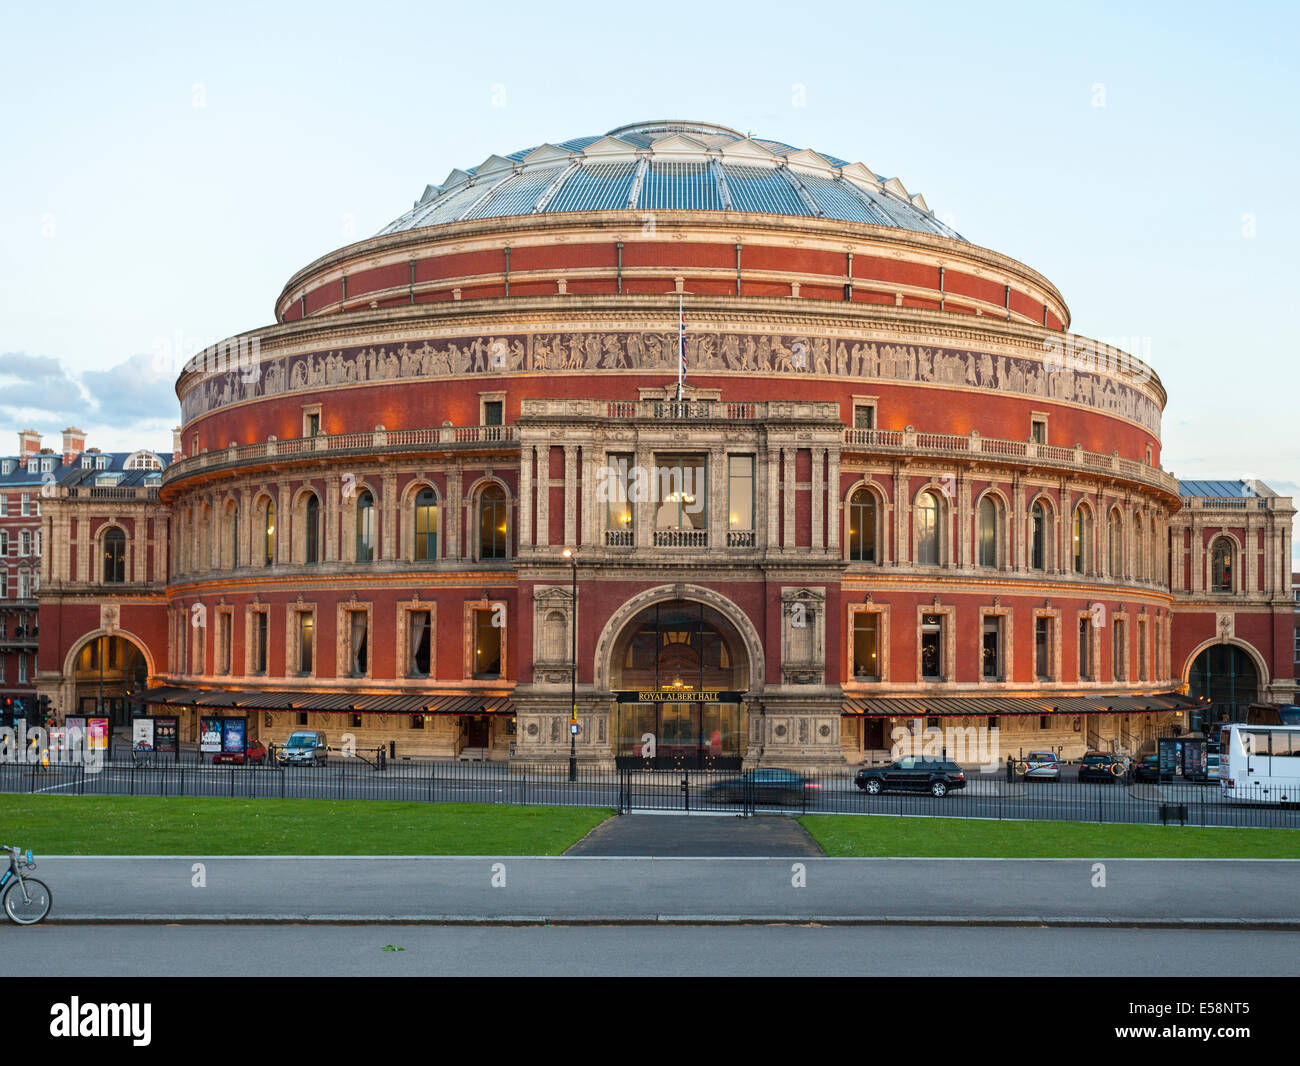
(921, 837)
(119, 825)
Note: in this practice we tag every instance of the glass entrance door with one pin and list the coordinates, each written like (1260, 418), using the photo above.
(673, 734)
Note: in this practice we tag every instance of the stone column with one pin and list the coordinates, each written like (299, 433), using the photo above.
(772, 518)
(543, 495)
(719, 505)
(902, 542)
(643, 510)
(455, 512)
(787, 505)
(525, 516)
(390, 516)
(834, 517)
(818, 539)
(571, 494)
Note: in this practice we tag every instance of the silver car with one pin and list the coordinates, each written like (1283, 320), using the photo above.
(1042, 764)
(303, 748)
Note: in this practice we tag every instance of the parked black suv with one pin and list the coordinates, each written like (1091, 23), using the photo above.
(910, 774)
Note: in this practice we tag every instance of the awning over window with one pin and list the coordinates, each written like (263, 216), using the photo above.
(975, 706)
(360, 703)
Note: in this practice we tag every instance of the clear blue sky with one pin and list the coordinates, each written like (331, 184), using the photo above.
(164, 168)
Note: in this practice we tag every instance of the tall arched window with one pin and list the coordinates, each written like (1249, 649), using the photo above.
(1139, 548)
(1038, 536)
(1082, 530)
(988, 532)
(114, 557)
(311, 530)
(232, 534)
(268, 534)
(927, 530)
(367, 527)
(1221, 565)
(862, 527)
(492, 523)
(1116, 545)
(426, 525)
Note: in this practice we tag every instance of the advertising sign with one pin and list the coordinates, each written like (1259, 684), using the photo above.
(209, 734)
(1171, 757)
(236, 729)
(166, 734)
(75, 725)
(142, 734)
(97, 734)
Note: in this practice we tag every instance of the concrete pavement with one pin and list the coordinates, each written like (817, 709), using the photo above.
(1233, 893)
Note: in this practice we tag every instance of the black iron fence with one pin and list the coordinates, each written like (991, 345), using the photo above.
(990, 795)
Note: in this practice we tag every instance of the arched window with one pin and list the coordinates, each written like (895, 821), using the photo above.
(862, 527)
(268, 534)
(492, 523)
(311, 530)
(367, 528)
(927, 530)
(232, 534)
(1221, 565)
(1116, 545)
(114, 557)
(1038, 536)
(988, 531)
(1082, 531)
(426, 525)
(1139, 548)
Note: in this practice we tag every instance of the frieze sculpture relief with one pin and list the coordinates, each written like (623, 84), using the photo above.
(705, 352)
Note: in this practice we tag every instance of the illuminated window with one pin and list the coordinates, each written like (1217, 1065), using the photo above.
(862, 527)
(493, 523)
(426, 525)
(367, 527)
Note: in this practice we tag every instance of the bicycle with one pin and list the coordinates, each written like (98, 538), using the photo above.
(26, 900)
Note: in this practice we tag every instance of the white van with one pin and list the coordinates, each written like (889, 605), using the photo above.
(1260, 763)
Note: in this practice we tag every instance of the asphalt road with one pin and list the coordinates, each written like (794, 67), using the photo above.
(986, 796)
(575, 888)
(794, 951)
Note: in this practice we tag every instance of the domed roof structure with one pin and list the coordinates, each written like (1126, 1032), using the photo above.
(670, 166)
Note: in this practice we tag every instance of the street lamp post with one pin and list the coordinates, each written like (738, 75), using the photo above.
(572, 556)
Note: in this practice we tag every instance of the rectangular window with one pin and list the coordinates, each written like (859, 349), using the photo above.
(419, 642)
(864, 416)
(24, 585)
(306, 637)
(1119, 643)
(417, 721)
(1085, 649)
(932, 647)
(358, 643)
(740, 501)
(4, 510)
(1044, 722)
(261, 622)
(992, 648)
(26, 504)
(681, 484)
(22, 668)
(618, 505)
(487, 644)
(1038, 431)
(313, 424)
(866, 646)
(493, 412)
(1142, 650)
(1042, 648)
(354, 721)
(302, 717)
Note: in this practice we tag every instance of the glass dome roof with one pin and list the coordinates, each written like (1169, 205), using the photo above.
(670, 166)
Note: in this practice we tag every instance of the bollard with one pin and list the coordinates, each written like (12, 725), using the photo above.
(686, 791)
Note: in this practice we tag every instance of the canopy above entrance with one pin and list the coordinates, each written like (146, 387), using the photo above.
(422, 703)
(974, 706)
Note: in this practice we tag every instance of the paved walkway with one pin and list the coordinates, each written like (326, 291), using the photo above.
(698, 836)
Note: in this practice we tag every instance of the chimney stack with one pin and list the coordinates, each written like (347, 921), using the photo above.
(74, 443)
(176, 443)
(29, 442)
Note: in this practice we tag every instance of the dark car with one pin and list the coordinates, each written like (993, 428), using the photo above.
(768, 785)
(910, 774)
(1147, 768)
(255, 752)
(1100, 766)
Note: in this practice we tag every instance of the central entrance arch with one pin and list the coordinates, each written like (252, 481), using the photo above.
(680, 671)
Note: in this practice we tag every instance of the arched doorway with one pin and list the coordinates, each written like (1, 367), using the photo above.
(679, 670)
(109, 673)
(1225, 674)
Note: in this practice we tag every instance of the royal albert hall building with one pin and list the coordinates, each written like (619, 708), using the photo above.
(882, 493)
